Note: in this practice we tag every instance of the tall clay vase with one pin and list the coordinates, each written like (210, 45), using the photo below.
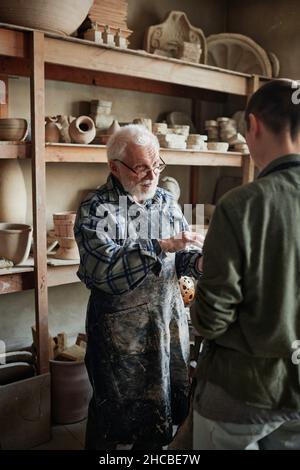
(82, 130)
(13, 196)
(70, 391)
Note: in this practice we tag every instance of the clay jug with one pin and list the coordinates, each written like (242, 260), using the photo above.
(13, 196)
(52, 133)
(82, 130)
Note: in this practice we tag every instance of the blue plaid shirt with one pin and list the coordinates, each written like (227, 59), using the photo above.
(112, 257)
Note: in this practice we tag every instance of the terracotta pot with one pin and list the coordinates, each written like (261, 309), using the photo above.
(56, 16)
(67, 247)
(13, 195)
(70, 391)
(13, 129)
(52, 133)
(15, 242)
(82, 130)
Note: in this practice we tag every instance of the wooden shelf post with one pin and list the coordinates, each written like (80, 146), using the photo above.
(37, 88)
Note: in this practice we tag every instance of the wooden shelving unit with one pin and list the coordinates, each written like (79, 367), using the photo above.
(42, 56)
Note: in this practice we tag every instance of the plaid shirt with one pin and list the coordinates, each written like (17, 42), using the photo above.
(120, 262)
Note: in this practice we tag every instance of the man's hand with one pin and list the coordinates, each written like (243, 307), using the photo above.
(181, 241)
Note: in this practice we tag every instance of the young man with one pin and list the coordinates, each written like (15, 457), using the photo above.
(132, 241)
(248, 300)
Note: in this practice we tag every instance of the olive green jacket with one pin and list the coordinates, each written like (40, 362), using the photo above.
(248, 300)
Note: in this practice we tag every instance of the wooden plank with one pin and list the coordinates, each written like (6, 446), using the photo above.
(15, 150)
(106, 79)
(37, 85)
(14, 66)
(72, 153)
(109, 62)
(61, 275)
(253, 85)
(25, 280)
(16, 282)
(13, 43)
(3, 96)
(209, 158)
(83, 54)
(97, 154)
(19, 67)
(194, 185)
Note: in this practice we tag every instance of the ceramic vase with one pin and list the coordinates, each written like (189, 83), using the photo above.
(82, 130)
(13, 195)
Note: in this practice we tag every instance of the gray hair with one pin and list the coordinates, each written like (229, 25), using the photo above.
(132, 133)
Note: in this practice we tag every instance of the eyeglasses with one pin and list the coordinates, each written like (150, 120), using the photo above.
(142, 171)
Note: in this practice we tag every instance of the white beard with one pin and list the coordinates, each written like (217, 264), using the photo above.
(139, 193)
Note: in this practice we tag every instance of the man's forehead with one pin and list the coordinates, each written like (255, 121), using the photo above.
(141, 153)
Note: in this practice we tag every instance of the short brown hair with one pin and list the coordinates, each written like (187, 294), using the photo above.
(273, 103)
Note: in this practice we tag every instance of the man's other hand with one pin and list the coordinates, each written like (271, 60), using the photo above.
(182, 241)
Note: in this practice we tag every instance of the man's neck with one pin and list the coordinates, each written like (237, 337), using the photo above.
(277, 149)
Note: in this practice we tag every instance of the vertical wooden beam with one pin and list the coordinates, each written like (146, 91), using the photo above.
(252, 86)
(194, 184)
(37, 88)
(3, 96)
(194, 171)
(248, 164)
(248, 169)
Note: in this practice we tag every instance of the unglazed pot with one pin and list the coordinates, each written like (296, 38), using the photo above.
(52, 133)
(13, 195)
(15, 242)
(13, 129)
(70, 391)
(82, 130)
(64, 223)
(56, 16)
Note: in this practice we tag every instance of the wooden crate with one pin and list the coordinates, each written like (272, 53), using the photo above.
(25, 413)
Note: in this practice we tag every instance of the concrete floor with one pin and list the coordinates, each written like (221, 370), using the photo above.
(66, 437)
(72, 436)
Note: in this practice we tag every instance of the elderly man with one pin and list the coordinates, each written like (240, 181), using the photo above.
(248, 302)
(133, 248)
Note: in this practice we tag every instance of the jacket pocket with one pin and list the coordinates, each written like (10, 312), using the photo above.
(131, 331)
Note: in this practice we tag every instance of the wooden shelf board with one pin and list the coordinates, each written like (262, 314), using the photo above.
(21, 279)
(133, 64)
(73, 153)
(97, 154)
(15, 150)
(140, 64)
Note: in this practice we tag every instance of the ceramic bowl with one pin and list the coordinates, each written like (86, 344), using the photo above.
(15, 242)
(13, 129)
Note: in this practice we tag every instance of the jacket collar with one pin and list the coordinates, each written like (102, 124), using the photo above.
(290, 159)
